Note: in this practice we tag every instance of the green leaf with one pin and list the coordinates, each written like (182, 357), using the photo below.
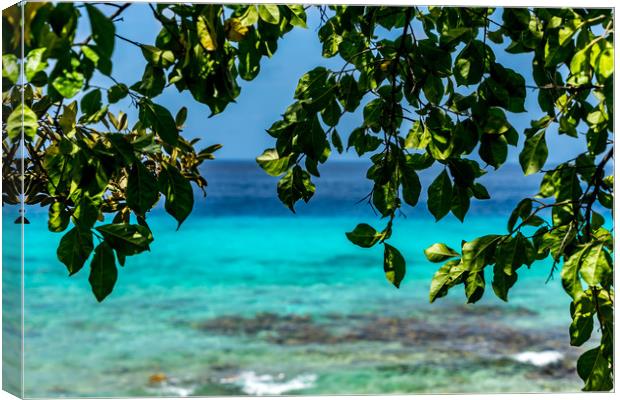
(504, 276)
(59, 217)
(75, 248)
(474, 286)
(269, 13)
(418, 136)
(433, 89)
(364, 235)
(337, 141)
(534, 153)
(69, 83)
(493, 149)
(249, 56)
(440, 196)
(91, 102)
(295, 185)
(10, 67)
(439, 252)
(596, 265)
(103, 30)
(570, 273)
(35, 62)
(331, 113)
(593, 367)
(605, 63)
(502, 282)
(460, 202)
(152, 82)
(160, 120)
(313, 140)
(373, 113)
(272, 163)
(393, 264)
(14, 123)
(181, 116)
(411, 186)
(583, 320)
(126, 239)
(477, 253)
(349, 93)
(157, 57)
(469, 64)
(449, 275)
(117, 92)
(121, 144)
(384, 198)
(298, 15)
(312, 85)
(250, 16)
(103, 273)
(178, 192)
(522, 210)
(90, 54)
(142, 190)
(480, 192)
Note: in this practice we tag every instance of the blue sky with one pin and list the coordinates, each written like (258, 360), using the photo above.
(241, 127)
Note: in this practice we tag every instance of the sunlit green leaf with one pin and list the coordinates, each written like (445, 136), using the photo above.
(364, 235)
(439, 252)
(22, 117)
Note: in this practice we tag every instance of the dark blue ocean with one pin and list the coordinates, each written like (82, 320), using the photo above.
(248, 298)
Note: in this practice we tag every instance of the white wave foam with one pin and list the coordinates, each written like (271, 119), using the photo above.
(266, 385)
(172, 388)
(539, 358)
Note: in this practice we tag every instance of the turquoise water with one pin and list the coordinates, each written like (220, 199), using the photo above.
(247, 298)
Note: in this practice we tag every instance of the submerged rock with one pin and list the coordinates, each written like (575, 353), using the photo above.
(467, 335)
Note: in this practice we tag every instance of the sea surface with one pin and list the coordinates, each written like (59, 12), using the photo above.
(249, 298)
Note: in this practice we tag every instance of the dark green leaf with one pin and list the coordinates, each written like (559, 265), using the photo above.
(91, 102)
(102, 30)
(75, 248)
(440, 196)
(142, 190)
(593, 367)
(178, 192)
(160, 120)
(393, 264)
(117, 92)
(295, 185)
(103, 273)
(411, 186)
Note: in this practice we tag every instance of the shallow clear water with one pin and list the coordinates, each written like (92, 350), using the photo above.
(247, 298)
